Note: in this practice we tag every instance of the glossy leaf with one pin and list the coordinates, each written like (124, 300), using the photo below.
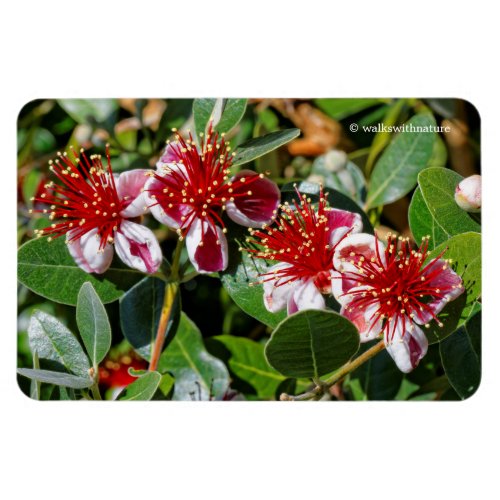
(435, 208)
(198, 375)
(312, 344)
(140, 311)
(395, 173)
(89, 110)
(93, 324)
(52, 341)
(202, 112)
(49, 270)
(461, 357)
(56, 378)
(142, 389)
(259, 146)
(233, 112)
(247, 361)
(465, 251)
(422, 223)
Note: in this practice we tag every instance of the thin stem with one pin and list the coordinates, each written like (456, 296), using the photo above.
(322, 387)
(95, 391)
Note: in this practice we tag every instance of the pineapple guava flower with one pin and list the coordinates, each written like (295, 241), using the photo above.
(191, 188)
(303, 241)
(468, 194)
(392, 291)
(96, 210)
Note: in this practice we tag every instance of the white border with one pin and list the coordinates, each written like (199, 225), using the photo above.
(244, 451)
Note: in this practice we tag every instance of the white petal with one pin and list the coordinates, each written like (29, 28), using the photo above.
(129, 185)
(363, 320)
(407, 348)
(307, 296)
(92, 257)
(359, 244)
(137, 246)
(276, 294)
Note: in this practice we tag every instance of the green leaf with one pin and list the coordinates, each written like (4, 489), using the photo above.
(52, 341)
(198, 375)
(338, 109)
(247, 361)
(176, 114)
(142, 389)
(165, 388)
(461, 357)
(202, 112)
(465, 250)
(434, 211)
(312, 344)
(422, 223)
(233, 112)
(57, 378)
(259, 146)
(89, 110)
(140, 311)
(395, 173)
(36, 386)
(93, 324)
(49, 270)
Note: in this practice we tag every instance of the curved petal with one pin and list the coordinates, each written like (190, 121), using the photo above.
(256, 208)
(364, 321)
(277, 290)
(340, 222)
(137, 246)
(159, 203)
(207, 247)
(408, 347)
(356, 246)
(129, 186)
(341, 285)
(441, 277)
(305, 296)
(87, 254)
(169, 157)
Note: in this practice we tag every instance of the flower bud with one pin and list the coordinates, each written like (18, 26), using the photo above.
(468, 194)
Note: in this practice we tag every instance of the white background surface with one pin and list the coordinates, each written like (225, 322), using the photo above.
(254, 450)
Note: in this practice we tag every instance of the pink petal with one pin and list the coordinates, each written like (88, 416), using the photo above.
(407, 348)
(341, 222)
(207, 247)
(353, 247)
(341, 285)
(363, 320)
(169, 156)
(87, 254)
(159, 206)
(276, 293)
(305, 296)
(255, 209)
(137, 246)
(129, 186)
(444, 279)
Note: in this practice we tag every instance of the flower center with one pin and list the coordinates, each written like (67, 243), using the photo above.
(86, 199)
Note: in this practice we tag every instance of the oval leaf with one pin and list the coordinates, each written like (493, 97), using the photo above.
(233, 112)
(395, 173)
(254, 148)
(52, 341)
(202, 112)
(465, 250)
(57, 378)
(312, 343)
(142, 389)
(461, 357)
(89, 110)
(433, 210)
(140, 311)
(198, 375)
(49, 270)
(93, 324)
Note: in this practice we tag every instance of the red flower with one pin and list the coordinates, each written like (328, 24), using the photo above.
(303, 240)
(191, 188)
(392, 291)
(95, 209)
